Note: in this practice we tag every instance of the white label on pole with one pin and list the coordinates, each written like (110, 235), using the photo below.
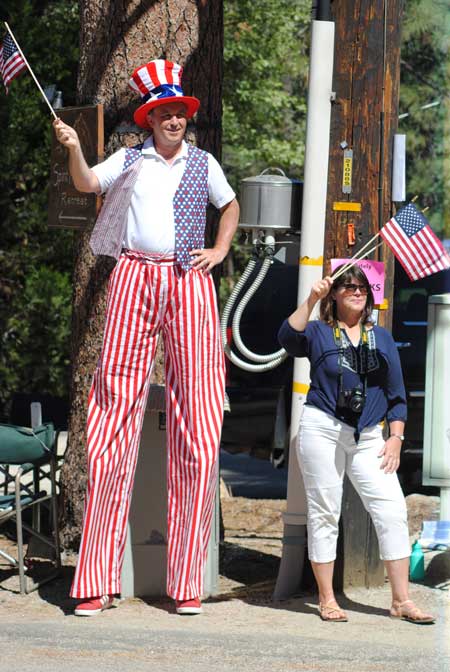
(347, 169)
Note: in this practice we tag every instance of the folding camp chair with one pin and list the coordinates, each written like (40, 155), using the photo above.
(24, 450)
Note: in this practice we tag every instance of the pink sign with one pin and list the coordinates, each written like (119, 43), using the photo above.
(374, 271)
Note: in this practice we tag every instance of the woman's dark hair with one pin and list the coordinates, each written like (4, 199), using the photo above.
(328, 304)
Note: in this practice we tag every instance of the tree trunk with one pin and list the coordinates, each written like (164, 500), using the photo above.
(115, 38)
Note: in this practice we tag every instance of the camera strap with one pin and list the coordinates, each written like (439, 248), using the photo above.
(337, 335)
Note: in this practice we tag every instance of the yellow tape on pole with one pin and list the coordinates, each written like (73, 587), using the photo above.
(346, 206)
(300, 388)
(310, 261)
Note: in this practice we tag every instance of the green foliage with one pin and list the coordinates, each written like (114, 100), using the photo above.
(425, 73)
(264, 93)
(47, 33)
(34, 344)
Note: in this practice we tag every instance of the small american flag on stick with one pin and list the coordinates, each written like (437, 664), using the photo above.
(11, 61)
(414, 243)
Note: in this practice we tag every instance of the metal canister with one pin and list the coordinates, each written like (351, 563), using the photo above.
(270, 201)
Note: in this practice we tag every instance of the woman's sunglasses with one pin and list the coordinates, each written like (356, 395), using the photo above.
(351, 288)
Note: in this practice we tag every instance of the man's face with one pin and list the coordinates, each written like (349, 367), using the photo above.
(168, 123)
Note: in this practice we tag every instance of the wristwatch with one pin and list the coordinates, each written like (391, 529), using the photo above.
(397, 436)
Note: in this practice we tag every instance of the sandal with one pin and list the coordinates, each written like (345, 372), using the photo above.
(332, 607)
(410, 613)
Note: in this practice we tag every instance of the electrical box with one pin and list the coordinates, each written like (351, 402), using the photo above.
(145, 563)
(436, 440)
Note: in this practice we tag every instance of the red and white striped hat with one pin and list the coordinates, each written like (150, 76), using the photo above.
(159, 83)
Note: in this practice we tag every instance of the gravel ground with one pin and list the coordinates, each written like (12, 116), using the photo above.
(241, 628)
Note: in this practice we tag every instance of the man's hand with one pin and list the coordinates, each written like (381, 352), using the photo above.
(66, 135)
(84, 178)
(205, 260)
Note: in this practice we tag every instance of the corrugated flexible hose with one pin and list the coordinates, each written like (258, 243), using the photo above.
(265, 362)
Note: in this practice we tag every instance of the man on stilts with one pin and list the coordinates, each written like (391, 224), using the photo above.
(153, 221)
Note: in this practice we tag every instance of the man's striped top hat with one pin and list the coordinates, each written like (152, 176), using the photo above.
(159, 83)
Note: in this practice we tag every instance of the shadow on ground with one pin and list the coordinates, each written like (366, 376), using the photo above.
(57, 592)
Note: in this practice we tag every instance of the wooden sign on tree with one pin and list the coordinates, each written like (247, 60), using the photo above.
(67, 207)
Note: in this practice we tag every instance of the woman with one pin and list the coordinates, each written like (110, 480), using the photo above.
(356, 382)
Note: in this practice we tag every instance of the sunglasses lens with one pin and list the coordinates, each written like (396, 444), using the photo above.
(351, 288)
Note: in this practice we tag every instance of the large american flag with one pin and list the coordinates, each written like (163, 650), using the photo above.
(414, 243)
(11, 62)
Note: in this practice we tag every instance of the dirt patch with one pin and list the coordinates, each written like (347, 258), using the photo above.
(251, 550)
(253, 544)
(420, 508)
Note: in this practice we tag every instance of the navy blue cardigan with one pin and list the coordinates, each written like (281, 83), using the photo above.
(385, 388)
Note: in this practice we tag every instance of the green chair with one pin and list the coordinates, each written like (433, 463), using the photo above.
(24, 450)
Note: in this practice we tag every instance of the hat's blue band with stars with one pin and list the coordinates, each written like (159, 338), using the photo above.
(163, 91)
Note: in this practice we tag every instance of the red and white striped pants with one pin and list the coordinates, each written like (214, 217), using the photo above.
(148, 296)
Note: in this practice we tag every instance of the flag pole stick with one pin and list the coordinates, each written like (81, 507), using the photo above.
(354, 261)
(358, 255)
(31, 71)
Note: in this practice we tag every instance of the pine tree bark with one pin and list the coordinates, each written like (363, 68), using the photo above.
(116, 37)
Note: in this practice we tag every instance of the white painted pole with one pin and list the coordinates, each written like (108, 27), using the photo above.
(314, 197)
(311, 269)
(399, 168)
(444, 509)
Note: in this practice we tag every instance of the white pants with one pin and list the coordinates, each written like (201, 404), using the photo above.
(327, 450)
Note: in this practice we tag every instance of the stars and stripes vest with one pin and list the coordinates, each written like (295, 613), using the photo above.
(189, 207)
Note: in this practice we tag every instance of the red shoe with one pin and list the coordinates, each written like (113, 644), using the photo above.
(94, 606)
(188, 607)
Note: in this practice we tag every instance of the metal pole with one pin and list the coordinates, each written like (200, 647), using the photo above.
(320, 97)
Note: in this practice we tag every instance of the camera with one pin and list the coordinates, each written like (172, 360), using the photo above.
(352, 400)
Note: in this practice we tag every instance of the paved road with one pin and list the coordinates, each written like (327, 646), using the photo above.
(251, 477)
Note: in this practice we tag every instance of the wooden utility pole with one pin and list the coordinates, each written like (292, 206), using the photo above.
(115, 38)
(364, 121)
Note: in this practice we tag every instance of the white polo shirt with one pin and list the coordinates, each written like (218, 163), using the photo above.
(151, 224)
